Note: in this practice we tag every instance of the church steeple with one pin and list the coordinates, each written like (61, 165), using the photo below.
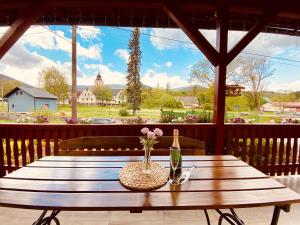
(98, 81)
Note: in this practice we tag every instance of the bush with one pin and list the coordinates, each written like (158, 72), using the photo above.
(169, 101)
(185, 117)
(137, 120)
(123, 112)
(41, 116)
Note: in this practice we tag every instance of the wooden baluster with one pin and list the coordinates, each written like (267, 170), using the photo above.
(244, 147)
(2, 169)
(295, 153)
(8, 153)
(287, 152)
(274, 154)
(229, 140)
(39, 145)
(252, 146)
(237, 141)
(47, 146)
(31, 146)
(55, 139)
(23, 148)
(16, 151)
(281, 152)
(266, 168)
(259, 150)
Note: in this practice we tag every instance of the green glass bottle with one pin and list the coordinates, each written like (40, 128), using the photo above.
(175, 156)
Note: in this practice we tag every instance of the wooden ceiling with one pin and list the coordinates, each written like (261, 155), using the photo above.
(243, 14)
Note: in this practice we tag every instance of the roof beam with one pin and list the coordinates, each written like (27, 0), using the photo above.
(255, 30)
(20, 25)
(193, 33)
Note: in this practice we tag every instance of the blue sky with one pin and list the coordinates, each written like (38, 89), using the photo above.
(164, 59)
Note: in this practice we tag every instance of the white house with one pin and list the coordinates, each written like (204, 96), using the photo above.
(86, 97)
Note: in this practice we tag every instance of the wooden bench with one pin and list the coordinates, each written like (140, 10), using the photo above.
(125, 145)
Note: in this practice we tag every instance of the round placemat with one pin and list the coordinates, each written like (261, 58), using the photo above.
(131, 176)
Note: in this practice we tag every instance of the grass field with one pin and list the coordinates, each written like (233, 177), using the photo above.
(150, 114)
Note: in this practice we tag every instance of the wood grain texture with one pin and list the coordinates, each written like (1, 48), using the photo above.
(76, 188)
(147, 200)
(216, 173)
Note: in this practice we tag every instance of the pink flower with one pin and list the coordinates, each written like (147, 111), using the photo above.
(151, 135)
(145, 130)
(158, 132)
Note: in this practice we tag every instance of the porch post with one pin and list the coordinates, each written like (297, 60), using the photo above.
(220, 77)
(74, 75)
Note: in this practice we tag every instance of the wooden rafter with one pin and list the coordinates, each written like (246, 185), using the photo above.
(20, 25)
(196, 37)
(256, 29)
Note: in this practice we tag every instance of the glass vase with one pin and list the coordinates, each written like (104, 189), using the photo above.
(147, 160)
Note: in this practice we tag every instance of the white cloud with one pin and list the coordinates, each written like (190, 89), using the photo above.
(157, 65)
(57, 40)
(283, 86)
(168, 64)
(152, 78)
(123, 54)
(264, 43)
(88, 32)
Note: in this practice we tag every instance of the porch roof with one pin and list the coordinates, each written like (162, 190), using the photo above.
(243, 14)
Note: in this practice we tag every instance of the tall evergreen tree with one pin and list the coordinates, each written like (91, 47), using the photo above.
(134, 85)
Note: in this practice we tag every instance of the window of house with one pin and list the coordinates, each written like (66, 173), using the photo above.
(13, 105)
(17, 93)
(21, 92)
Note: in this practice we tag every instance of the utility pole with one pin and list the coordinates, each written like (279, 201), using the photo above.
(74, 75)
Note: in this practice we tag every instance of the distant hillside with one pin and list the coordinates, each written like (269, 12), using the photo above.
(188, 88)
(7, 78)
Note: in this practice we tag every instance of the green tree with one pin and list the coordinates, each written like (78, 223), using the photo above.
(55, 82)
(103, 93)
(134, 85)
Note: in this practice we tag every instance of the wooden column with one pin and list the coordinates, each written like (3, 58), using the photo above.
(74, 75)
(220, 78)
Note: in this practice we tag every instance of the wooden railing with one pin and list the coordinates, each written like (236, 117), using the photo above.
(273, 149)
(24, 143)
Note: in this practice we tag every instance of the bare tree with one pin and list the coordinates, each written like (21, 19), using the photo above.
(204, 72)
(256, 71)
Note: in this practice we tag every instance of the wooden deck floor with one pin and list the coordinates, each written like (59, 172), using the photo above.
(253, 216)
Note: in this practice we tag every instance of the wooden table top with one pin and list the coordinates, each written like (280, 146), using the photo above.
(91, 183)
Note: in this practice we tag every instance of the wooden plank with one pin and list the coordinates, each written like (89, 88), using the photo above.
(23, 149)
(40, 173)
(288, 153)
(295, 152)
(252, 145)
(115, 186)
(281, 152)
(2, 170)
(147, 201)
(266, 152)
(8, 151)
(76, 164)
(137, 158)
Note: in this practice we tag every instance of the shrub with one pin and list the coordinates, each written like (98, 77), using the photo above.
(41, 116)
(136, 120)
(185, 117)
(169, 101)
(123, 112)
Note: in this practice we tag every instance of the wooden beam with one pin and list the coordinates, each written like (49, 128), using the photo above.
(249, 36)
(220, 78)
(193, 33)
(74, 74)
(20, 25)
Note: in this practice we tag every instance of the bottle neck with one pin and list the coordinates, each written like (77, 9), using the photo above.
(175, 144)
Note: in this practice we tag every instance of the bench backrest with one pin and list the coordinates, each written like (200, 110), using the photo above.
(126, 145)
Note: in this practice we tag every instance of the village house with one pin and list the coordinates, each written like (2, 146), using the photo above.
(188, 101)
(30, 99)
(282, 107)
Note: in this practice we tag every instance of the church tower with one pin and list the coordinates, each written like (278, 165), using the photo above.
(98, 81)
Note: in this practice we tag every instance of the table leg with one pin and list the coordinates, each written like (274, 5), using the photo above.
(42, 220)
(276, 213)
(231, 218)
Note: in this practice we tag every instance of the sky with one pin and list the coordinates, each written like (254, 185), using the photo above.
(167, 55)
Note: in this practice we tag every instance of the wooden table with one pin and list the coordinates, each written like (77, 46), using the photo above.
(91, 183)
